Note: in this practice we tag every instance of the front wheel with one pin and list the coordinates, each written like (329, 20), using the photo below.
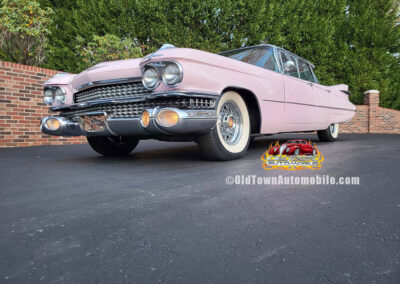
(330, 134)
(113, 145)
(229, 139)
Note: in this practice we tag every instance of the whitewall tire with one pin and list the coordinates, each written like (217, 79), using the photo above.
(230, 137)
(330, 134)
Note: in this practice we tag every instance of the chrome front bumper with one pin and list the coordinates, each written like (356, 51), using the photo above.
(191, 122)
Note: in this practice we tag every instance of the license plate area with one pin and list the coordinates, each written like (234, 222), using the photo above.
(93, 122)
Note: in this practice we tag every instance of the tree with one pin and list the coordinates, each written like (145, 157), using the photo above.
(106, 48)
(350, 41)
(24, 30)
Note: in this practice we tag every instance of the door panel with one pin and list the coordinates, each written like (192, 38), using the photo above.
(300, 98)
(323, 102)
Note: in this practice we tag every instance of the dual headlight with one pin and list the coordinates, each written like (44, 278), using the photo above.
(55, 94)
(170, 73)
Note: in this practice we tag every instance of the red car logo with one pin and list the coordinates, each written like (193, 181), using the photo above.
(294, 147)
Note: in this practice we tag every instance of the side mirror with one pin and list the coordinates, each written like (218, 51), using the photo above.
(289, 66)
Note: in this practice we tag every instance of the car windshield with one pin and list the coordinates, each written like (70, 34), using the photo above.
(261, 56)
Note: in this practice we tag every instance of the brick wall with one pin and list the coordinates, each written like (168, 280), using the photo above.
(370, 118)
(22, 107)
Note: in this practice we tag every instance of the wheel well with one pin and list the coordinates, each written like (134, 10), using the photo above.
(252, 105)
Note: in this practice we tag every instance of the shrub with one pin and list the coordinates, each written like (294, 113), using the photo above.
(106, 48)
(24, 31)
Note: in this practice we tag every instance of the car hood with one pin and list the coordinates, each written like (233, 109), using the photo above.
(103, 71)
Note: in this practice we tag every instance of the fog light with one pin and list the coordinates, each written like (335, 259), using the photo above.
(53, 124)
(145, 120)
(167, 118)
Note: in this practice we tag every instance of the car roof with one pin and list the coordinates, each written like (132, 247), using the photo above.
(273, 46)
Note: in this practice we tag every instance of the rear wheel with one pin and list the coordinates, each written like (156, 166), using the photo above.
(113, 145)
(229, 139)
(330, 134)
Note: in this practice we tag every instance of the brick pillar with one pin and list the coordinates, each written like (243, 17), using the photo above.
(371, 99)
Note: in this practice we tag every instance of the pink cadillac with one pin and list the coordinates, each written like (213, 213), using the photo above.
(221, 101)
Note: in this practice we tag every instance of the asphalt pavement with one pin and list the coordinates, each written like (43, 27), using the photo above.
(165, 215)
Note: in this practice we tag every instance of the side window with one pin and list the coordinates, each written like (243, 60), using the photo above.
(305, 71)
(289, 64)
(270, 64)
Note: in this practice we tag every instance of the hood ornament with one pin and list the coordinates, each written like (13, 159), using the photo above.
(166, 46)
(151, 55)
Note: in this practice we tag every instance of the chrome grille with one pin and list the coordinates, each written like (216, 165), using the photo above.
(131, 110)
(111, 92)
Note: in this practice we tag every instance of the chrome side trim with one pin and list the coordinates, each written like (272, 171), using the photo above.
(295, 103)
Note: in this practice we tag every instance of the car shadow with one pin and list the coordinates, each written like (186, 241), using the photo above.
(186, 152)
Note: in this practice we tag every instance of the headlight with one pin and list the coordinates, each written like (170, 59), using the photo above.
(60, 95)
(150, 77)
(172, 73)
(48, 97)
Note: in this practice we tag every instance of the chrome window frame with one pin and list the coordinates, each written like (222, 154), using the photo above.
(295, 62)
(273, 47)
(309, 66)
(277, 50)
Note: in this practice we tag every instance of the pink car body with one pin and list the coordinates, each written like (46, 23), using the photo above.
(278, 102)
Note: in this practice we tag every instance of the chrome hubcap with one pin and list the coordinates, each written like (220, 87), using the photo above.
(230, 123)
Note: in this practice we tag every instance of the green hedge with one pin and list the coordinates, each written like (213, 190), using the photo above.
(349, 41)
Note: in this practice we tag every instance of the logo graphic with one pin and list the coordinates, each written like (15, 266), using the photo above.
(292, 155)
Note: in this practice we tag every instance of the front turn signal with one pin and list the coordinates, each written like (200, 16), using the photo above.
(167, 117)
(145, 120)
(53, 124)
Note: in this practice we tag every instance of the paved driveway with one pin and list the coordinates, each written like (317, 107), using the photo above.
(165, 215)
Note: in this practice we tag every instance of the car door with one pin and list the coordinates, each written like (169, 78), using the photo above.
(300, 98)
(322, 97)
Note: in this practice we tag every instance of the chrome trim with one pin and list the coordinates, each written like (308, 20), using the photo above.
(166, 46)
(159, 77)
(177, 83)
(186, 94)
(53, 89)
(91, 133)
(159, 66)
(295, 103)
(67, 127)
(230, 133)
(191, 122)
(110, 92)
(107, 82)
(270, 45)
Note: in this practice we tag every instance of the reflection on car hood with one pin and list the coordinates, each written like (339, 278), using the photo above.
(103, 71)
